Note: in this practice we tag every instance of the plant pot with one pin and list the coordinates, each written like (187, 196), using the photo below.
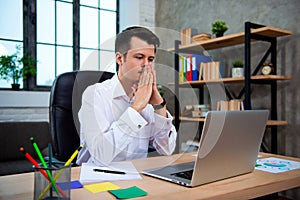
(15, 86)
(237, 72)
(219, 34)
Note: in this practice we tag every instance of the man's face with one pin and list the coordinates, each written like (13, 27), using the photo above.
(140, 54)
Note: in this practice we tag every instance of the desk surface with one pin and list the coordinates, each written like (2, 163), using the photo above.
(255, 184)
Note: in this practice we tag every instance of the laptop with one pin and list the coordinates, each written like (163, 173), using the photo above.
(229, 146)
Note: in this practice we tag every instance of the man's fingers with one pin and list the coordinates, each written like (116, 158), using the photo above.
(145, 77)
(150, 79)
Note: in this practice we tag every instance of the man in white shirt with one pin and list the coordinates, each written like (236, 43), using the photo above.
(121, 117)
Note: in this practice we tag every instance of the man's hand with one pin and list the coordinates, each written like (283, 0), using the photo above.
(155, 97)
(143, 90)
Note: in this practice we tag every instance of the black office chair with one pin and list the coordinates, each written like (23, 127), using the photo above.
(65, 102)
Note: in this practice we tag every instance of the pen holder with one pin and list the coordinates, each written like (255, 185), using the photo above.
(43, 187)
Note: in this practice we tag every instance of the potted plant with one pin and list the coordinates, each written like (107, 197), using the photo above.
(237, 69)
(13, 67)
(219, 28)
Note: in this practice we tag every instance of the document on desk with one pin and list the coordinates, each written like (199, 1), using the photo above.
(276, 165)
(116, 171)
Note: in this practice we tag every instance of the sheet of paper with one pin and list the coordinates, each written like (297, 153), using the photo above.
(87, 173)
(127, 193)
(73, 185)
(276, 165)
(101, 187)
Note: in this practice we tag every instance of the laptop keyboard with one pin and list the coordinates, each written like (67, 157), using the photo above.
(185, 174)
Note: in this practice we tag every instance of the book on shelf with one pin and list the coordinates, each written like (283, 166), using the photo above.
(195, 111)
(234, 104)
(186, 35)
(196, 62)
(193, 67)
(201, 37)
(189, 63)
(211, 70)
(181, 69)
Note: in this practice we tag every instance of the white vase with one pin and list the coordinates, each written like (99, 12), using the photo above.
(237, 72)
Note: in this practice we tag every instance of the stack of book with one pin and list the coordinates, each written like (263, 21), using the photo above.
(195, 110)
(211, 71)
(201, 37)
(186, 35)
(234, 104)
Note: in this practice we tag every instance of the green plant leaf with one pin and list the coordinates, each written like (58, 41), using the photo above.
(13, 67)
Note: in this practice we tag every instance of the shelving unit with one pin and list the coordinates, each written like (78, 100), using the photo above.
(253, 33)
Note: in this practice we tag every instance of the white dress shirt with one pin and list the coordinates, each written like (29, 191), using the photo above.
(110, 130)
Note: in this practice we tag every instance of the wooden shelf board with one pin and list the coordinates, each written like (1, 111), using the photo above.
(236, 80)
(269, 123)
(192, 119)
(232, 39)
(277, 123)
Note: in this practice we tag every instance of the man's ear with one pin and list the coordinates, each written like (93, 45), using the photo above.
(119, 58)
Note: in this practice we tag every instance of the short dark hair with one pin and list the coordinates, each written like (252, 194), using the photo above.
(122, 43)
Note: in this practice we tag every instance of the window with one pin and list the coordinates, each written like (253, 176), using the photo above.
(97, 32)
(11, 32)
(54, 40)
(55, 35)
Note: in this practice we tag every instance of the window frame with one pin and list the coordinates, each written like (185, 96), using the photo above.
(30, 38)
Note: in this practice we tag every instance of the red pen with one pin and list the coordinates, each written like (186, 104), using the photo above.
(31, 159)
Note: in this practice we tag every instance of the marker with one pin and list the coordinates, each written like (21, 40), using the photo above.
(73, 155)
(43, 163)
(31, 159)
(61, 171)
(108, 171)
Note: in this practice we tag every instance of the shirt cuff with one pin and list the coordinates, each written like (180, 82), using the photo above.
(133, 119)
(163, 122)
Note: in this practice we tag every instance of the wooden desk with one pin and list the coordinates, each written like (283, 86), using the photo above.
(247, 186)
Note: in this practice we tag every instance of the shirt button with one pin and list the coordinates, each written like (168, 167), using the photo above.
(139, 126)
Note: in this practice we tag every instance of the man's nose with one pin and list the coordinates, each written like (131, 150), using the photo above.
(146, 62)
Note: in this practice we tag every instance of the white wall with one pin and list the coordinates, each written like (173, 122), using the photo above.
(24, 106)
(137, 12)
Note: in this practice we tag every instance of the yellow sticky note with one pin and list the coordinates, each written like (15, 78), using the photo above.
(101, 187)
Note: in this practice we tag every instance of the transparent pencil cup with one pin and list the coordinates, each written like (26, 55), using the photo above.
(43, 187)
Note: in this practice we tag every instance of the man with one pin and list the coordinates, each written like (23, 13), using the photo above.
(121, 117)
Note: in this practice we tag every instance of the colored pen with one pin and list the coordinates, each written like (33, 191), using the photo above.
(31, 159)
(43, 163)
(108, 171)
(61, 171)
(73, 156)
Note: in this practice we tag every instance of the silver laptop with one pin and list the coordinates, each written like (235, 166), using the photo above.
(229, 146)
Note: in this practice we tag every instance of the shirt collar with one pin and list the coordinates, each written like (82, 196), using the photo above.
(118, 88)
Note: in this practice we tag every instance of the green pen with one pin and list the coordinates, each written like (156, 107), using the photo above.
(43, 163)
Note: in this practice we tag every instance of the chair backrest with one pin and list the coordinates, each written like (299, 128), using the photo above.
(65, 102)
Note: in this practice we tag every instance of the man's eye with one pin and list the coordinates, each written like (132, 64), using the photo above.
(139, 57)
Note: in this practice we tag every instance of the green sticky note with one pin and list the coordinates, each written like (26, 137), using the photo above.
(127, 193)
